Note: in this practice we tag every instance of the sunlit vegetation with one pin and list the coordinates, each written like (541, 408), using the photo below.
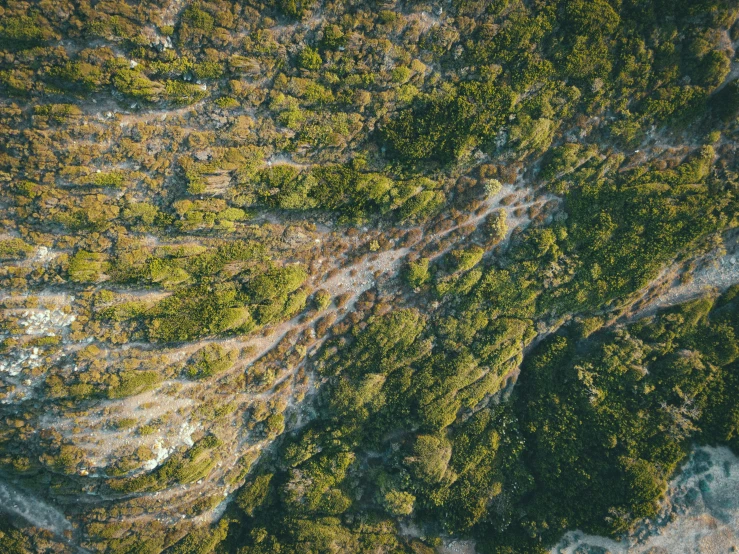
(282, 276)
(612, 415)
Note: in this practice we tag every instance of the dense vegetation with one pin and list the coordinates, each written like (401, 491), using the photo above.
(607, 417)
(296, 276)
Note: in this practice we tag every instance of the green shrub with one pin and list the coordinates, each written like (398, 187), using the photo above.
(309, 59)
(87, 267)
(417, 273)
(14, 249)
(253, 494)
(184, 94)
(210, 360)
(399, 503)
(130, 383)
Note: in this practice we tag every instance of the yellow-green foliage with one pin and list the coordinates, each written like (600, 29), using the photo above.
(129, 383)
(87, 267)
(417, 272)
(210, 360)
(468, 258)
(14, 249)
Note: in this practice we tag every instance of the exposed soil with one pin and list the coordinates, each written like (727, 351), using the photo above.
(700, 514)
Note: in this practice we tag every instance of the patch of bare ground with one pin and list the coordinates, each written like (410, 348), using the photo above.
(676, 284)
(700, 514)
(457, 547)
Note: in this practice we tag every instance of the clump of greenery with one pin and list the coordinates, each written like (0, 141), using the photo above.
(417, 273)
(198, 311)
(210, 360)
(443, 127)
(113, 179)
(134, 83)
(496, 226)
(354, 194)
(184, 94)
(185, 467)
(129, 383)
(467, 259)
(322, 300)
(399, 503)
(87, 267)
(14, 249)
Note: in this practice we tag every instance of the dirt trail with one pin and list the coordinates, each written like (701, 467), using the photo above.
(127, 118)
(518, 192)
(284, 159)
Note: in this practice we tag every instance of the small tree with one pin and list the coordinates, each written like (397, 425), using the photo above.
(492, 187)
(253, 494)
(399, 503)
(322, 299)
(496, 226)
(87, 267)
(309, 59)
(417, 273)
